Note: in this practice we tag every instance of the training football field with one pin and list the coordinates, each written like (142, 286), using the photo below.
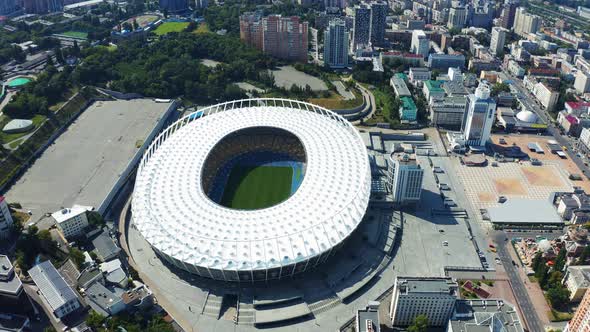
(250, 188)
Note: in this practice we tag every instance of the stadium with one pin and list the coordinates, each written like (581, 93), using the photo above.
(252, 190)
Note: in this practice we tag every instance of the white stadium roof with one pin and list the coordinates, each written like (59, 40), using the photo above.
(176, 216)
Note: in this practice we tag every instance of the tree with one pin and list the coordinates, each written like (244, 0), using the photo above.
(77, 257)
(94, 320)
(558, 296)
(59, 57)
(537, 261)
(584, 256)
(500, 87)
(419, 324)
(560, 260)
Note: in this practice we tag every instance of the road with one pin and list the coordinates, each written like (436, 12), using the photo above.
(529, 101)
(520, 292)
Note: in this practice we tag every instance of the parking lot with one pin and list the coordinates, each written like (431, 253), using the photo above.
(85, 161)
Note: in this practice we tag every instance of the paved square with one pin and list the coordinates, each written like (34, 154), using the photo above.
(483, 185)
(85, 161)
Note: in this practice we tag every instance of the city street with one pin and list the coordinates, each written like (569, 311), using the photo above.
(522, 296)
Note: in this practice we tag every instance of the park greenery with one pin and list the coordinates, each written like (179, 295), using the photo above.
(138, 322)
(419, 324)
(170, 67)
(33, 243)
(549, 279)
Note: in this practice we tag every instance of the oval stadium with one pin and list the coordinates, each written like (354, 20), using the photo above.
(252, 190)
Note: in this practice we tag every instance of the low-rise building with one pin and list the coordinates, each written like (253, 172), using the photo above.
(515, 69)
(11, 287)
(408, 113)
(584, 141)
(582, 83)
(104, 247)
(72, 222)
(140, 297)
(448, 111)
(406, 58)
(433, 90)
(103, 300)
(412, 296)
(367, 319)
(484, 315)
(577, 280)
(523, 121)
(418, 75)
(446, 61)
(58, 296)
(399, 86)
(573, 124)
(114, 274)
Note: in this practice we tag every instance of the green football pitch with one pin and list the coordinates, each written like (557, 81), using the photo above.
(250, 188)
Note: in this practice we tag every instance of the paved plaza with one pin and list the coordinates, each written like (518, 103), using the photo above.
(286, 76)
(85, 162)
(485, 184)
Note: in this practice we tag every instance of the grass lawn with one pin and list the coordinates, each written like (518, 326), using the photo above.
(167, 27)
(75, 34)
(203, 28)
(559, 316)
(250, 188)
(335, 101)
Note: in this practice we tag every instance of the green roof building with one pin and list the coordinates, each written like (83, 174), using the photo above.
(433, 89)
(402, 76)
(408, 111)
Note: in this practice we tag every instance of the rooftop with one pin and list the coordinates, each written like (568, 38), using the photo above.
(136, 294)
(441, 285)
(404, 158)
(104, 246)
(434, 86)
(485, 316)
(194, 234)
(524, 211)
(368, 319)
(9, 281)
(577, 105)
(51, 284)
(400, 86)
(67, 214)
(88, 276)
(408, 103)
(104, 298)
(580, 275)
(455, 88)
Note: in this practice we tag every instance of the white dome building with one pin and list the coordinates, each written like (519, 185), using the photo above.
(527, 116)
(174, 211)
(18, 126)
(544, 245)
